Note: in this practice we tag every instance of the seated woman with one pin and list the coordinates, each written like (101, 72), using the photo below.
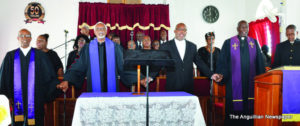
(204, 52)
(80, 41)
(155, 45)
(41, 44)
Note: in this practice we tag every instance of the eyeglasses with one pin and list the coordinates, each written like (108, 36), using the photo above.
(100, 29)
(24, 36)
(41, 40)
(81, 40)
(181, 29)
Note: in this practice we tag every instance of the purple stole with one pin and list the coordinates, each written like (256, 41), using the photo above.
(18, 99)
(237, 92)
(95, 65)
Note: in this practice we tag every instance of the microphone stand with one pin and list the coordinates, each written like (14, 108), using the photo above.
(66, 47)
(147, 97)
(62, 44)
(25, 120)
(66, 35)
(131, 37)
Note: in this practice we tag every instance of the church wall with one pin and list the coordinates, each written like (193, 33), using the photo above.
(63, 14)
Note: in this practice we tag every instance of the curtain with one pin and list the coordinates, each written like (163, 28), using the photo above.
(265, 31)
(123, 18)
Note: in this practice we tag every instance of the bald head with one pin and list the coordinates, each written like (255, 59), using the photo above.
(24, 38)
(242, 28)
(180, 31)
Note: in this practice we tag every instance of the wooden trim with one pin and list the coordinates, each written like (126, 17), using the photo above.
(60, 78)
(275, 72)
(55, 113)
(73, 92)
(139, 78)
(259, 82)
(157, 80)
(157, 84)
(201, 77)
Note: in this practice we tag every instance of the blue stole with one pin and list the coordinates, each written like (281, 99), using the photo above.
(236, 70)
(95, 65)
(18, 99)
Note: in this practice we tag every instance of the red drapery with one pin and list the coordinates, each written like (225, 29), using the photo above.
(122, 18)
(265, 31)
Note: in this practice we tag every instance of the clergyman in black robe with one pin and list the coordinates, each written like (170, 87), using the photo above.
(45, 79)
(83, 66)
(250, 66)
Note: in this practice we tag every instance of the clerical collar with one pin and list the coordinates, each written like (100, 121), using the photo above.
(242, 37)
(292, 42)
(25, 50)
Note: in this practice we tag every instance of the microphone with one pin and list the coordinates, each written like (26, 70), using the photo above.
(210, 34)
(66, 31)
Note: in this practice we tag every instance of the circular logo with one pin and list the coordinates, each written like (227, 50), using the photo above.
(34, 12)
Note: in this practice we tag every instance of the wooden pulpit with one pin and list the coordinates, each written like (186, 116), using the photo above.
(268, 99)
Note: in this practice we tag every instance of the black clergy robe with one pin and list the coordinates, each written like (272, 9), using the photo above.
(82, 68)
(287, 54)
(45, 81)
(224, 68)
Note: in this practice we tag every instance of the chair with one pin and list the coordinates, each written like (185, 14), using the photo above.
(219, 101)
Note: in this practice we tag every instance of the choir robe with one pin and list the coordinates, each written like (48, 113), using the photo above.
(82, 68)
(45, 81)
(224, 68)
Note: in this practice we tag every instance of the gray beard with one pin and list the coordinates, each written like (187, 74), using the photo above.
(101, 37)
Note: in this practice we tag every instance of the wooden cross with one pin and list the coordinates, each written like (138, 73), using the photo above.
(235, 46)
(251, 44)
(18, 104)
